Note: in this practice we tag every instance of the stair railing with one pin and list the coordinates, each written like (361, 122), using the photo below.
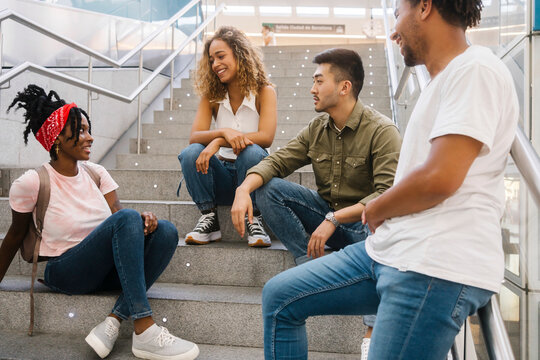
(7, 14)
(528, 163)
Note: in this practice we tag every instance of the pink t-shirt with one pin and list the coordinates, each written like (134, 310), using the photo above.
(76, 206)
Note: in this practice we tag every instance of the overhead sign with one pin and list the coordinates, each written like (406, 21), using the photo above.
(307, 28)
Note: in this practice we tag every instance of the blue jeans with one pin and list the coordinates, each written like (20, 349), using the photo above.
(116, 255)
(293, 212)
(218, 185)
(418, 316)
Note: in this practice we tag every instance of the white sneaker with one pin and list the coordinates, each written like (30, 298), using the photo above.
(206, 230)
(365, 348)
(257, 236)
(103, 336)
(156, 343)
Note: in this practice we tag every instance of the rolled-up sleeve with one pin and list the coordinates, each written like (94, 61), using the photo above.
(286, 160)
(385, 149)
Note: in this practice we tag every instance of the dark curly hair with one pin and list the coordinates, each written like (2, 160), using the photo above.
(39, 105)
(462, 13)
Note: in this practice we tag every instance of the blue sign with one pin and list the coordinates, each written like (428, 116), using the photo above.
(536, 25)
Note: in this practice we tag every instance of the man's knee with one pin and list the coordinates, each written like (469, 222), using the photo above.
(190, 154)
(270, 294)
(268, 192)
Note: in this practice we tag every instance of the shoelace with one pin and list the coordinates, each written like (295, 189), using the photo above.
(205, 221)
(365, 349)
(164, 337)
(110, 329)
(256, 228)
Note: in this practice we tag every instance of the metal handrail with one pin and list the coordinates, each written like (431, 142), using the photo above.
(495, 336)
(14, 72)
(93, 54)
(10, 14)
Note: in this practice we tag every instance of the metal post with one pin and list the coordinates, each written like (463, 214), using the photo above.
(90, 68)
(1, 48)
(197, 37)
(139, 103)
(215, 7)
(172, 69)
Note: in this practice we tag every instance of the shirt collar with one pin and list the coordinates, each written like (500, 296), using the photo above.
(354, 118)
(248, 102)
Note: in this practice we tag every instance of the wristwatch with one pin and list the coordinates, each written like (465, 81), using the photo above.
(330, 217)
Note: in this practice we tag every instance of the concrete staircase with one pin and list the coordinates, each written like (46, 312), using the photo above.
(209, 294)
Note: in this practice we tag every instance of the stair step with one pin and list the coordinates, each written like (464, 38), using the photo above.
(285, 92)
(50, 346)
(239, 264)
(377, 75)
(219, 315)
(186, 116)
(183, 214)
(159, 185)
(157, 145)
(380, 102)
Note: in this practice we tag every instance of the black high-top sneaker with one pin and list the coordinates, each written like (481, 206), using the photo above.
(257, 236)
(206, 230)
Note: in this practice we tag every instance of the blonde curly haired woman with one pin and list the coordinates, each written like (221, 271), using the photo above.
(237, 93)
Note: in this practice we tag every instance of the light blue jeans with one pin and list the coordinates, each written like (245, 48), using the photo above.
(116, 256)
(219, 185)
(293, 212)
(418, 316)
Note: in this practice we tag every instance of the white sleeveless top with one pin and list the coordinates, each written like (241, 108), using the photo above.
(245, 120)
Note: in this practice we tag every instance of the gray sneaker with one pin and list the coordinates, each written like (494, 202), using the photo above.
(156, 343)
(103, 336)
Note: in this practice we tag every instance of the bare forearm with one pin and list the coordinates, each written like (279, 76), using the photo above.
(8, 250)
(261, 138)
(419, 191)
(206, 136)
(350, 214)
(251, 183)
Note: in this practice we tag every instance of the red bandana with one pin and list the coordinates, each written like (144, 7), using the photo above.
(52, 127)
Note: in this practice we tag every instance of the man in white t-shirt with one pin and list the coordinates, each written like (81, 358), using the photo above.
(435, 255)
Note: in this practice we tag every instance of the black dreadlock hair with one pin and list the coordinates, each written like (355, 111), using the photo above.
(462, 13)
(39, 106)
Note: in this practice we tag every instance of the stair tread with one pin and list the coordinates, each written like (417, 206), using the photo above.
(49, 346)
(163, 291)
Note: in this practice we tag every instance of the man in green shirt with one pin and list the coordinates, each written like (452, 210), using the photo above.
(354, 152)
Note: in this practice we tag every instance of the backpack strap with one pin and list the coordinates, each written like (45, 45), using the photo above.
(93, 174)
(44, 194)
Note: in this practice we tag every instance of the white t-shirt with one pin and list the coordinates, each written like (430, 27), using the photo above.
(459, 239)
(272, 37)
(76, 206)
(245, 120)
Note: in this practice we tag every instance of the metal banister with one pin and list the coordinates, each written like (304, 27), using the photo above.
(14, 72)
(495, 336)
(10, 14)
(527, 162)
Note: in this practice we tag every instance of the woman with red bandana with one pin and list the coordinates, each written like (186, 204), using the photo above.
(89, 241)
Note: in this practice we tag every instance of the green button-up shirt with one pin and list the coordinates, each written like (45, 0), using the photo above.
(351, 166)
